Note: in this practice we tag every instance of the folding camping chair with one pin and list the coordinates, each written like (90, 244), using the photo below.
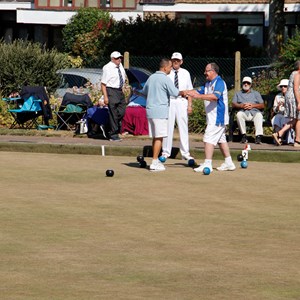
(69, 115)
(26, 111)
(72, 109)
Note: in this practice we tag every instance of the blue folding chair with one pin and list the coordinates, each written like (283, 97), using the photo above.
(25, 111)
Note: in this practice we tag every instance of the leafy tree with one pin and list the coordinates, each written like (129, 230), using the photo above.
(282, 67)
(159, 36)
(290, 52)
(84, 35)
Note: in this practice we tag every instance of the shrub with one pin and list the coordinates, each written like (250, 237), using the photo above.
(26, 63)
(290, 53)
(197, 120)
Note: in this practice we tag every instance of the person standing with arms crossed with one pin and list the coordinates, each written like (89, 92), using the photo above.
(180, 108)
(158, 89)
(214, 94)
(112, 83)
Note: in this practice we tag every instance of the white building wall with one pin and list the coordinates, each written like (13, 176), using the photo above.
(60, 17)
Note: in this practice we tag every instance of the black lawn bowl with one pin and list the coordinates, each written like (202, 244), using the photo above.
(240, 157)
(110, 173)
(140, 158)
(143, 164)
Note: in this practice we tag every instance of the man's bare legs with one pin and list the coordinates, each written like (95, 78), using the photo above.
(224, 149)
(156, 146)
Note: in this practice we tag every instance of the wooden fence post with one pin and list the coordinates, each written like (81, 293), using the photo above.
(237, 71)
(126, 60)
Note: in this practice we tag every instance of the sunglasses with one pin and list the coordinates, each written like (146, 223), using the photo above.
(248, 83)
(283, 86)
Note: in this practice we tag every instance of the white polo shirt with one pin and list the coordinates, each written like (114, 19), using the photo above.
(184, 80)
(111, 75)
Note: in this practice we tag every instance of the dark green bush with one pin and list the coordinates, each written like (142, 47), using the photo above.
(26, 63)
(141, 38)
(197, 120)
(290, 53)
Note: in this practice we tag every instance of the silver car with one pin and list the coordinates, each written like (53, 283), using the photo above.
(74, 78)
(79, 78)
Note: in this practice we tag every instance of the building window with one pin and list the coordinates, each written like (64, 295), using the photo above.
(123, 3)
(51, 3)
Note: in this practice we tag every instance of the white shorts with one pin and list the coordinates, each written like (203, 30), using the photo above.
(215, 134)
(158, 127)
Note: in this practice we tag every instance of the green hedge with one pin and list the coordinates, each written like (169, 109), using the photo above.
(26, 63)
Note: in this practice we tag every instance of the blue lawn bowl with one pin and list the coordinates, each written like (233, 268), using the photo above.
(206, 171)
(162, 159)
(191, 162)
(244, 164)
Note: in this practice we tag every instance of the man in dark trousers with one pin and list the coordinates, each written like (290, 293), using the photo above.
(111, 85)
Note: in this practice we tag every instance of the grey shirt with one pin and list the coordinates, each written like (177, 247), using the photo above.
(254, 97)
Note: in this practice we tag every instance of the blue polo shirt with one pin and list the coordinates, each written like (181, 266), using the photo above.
(158, 89)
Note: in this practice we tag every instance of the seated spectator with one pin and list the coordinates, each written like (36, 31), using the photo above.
(250, 105)
(135, 120)
(279, 121)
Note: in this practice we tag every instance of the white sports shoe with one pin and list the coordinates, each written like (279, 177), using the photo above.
(201, 167)
(157, 167)
(226, 167)
(187, 157)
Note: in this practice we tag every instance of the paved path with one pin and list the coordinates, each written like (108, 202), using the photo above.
(130, 141)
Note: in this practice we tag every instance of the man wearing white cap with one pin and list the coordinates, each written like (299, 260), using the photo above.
(112, 83)
(179, 109)
(250, 105)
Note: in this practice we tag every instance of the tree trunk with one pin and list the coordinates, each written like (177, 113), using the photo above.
(276, 27)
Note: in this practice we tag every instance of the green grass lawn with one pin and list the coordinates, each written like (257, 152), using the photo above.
(70, 232)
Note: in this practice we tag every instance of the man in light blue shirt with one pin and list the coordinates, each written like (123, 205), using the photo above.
(158, 89)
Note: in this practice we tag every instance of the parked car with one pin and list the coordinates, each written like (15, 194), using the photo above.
(74, 77)
(252, 72)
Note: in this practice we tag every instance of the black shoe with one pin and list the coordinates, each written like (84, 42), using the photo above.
(115, 138)
(244, 139)
(258, 139)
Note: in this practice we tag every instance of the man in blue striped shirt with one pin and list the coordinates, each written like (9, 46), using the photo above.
(214, 94)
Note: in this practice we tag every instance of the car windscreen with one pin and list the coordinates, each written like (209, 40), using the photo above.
(69, 81)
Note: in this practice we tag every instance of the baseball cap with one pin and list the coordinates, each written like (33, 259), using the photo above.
(176, 55)
(247, 79)
(116, 54)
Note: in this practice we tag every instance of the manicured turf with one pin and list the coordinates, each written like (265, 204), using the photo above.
(70, 232)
